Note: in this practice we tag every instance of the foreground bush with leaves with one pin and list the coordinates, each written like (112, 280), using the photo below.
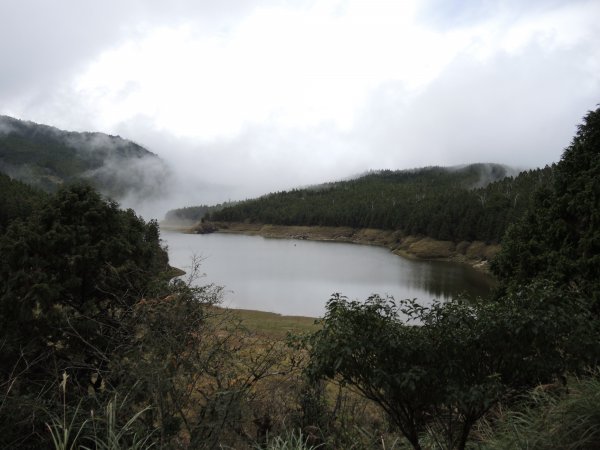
(443, 367)
(70, 275)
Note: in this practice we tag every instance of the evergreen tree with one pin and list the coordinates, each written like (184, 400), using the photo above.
(17, 200)
(69, 275)
(476, 202)
(559, 238)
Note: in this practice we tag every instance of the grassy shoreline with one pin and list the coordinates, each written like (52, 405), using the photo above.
(273, 324)
(477, 254)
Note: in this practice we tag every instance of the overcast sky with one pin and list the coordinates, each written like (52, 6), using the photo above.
(243, 97)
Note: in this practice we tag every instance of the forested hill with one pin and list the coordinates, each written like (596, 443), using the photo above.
(191, 215)
(47, 157)
(17, 200)
(473, 202)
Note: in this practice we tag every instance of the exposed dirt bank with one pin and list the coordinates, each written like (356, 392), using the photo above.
(477, 254)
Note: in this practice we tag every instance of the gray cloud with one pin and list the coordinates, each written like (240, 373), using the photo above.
(519, 110)
(42, 44)
(448, 14)
(5, 127)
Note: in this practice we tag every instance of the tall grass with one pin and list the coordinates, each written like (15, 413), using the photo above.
(65, 436)
(291, 441)
(117, 437)
(568, 421)
(99, 432)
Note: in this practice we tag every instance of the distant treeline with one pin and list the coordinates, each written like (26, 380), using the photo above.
(193, 214)
(475, 202)
(189, 214)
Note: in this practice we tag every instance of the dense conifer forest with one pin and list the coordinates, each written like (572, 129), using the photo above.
(101, 347)
(191, 215)
(475, 202)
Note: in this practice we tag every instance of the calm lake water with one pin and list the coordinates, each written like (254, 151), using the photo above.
(295, 277)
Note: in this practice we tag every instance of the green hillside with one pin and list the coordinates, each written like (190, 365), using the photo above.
(17, 200)
(191, 215)
(474, 202)
(47, 158)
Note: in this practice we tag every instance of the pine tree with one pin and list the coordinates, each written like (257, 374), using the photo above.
(558, 240)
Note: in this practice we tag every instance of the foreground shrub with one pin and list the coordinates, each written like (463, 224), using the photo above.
(440, 368)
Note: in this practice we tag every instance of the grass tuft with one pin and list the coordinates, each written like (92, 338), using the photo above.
(568, 420)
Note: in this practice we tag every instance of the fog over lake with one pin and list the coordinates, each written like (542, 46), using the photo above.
(296, 277)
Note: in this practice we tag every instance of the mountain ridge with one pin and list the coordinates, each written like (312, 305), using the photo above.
(476, 202)
(48, 157)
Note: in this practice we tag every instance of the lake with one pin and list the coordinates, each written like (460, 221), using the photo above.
(297, 277)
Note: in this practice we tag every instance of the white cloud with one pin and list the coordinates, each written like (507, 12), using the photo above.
(291, 67)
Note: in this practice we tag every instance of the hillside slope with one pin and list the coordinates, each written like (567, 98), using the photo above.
(468, 203)
(47, 157)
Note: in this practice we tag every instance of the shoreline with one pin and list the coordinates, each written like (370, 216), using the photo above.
(476, 254)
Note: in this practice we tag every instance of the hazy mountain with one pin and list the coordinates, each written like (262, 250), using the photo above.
(47, 157)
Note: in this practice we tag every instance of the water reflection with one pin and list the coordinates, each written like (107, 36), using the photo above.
(443, 280)
(298, 277)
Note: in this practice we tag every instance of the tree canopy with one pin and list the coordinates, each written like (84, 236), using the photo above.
(95, 332)
(475, 202)
(559, 238)
(69, 273)
(444, 366)
(17, 200)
